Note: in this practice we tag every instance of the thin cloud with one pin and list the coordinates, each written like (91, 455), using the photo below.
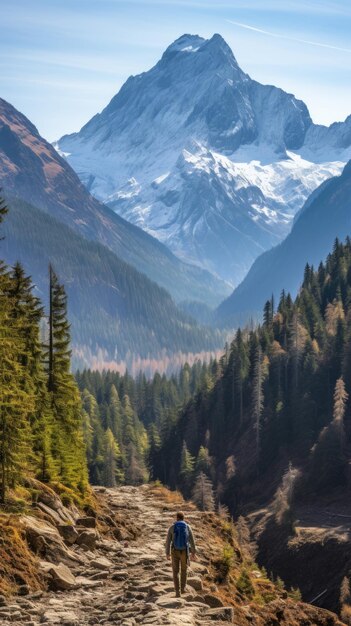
(288, 38)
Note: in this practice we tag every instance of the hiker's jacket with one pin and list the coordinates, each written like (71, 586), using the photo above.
(170, 536)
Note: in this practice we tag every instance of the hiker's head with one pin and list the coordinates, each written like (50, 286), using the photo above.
(180, 516)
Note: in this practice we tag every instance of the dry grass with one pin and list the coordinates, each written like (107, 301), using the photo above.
(234, 577)
(166, 497)
(18, 565)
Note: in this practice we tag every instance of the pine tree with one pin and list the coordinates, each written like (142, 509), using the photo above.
(28, 311)
(203, 493)
(16, 401)
(112, 472)
(186, 469)
(68, 441)
(115, 413)
(203, 461)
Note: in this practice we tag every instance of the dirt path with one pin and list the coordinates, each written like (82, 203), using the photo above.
(127, 585)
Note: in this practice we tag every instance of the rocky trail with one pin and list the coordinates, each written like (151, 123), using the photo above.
(121, 582)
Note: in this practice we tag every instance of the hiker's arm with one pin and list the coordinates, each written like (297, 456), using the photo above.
(168, 542)
(191, 541)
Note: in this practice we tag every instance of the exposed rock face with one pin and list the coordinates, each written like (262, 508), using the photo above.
(208, 160)
(325, 216)
(31, 169)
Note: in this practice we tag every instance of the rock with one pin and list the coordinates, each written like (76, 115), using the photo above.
(224, 614)
(23, 590)
(68, 532)
(87, 582)
(87, 522)
(3, 601)
(62, 577)
(169, 603)
(53, 515)
(212, 601)
(101, 563)
(68, 618)
(99, 575)
(120, 575)
(36, 595)
(121, 533)
(195, 583)
(45, 540)
(87, 539)
(107, 519)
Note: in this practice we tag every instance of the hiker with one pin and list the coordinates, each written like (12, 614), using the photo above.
(179, 543)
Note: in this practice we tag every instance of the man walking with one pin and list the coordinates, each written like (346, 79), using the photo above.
(180, 540)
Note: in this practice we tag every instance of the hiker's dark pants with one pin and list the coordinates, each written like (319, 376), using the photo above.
(179, 561)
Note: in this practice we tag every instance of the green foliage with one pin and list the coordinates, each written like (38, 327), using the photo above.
(224, 564)
(40, 407)
(140, 414)
(244, 584)
(279, 393)
(116, 312)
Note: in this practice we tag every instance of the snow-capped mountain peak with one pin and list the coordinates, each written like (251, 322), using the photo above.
(208, 160)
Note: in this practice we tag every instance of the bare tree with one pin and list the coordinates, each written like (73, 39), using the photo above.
(284, 497)
(340, 399)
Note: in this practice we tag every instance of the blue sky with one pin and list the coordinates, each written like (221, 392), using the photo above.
(63, 60)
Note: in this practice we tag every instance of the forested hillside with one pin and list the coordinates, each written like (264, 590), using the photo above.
(269, 434)
(280, 394)
(41, 433)
(126, 419)
(116, 312)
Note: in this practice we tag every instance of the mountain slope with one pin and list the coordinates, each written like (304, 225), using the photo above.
(325, 216)
(271, 428)
(209, 161)
(116, 312)
(31, 169)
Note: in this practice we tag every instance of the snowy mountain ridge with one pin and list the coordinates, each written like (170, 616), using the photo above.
(209, 161)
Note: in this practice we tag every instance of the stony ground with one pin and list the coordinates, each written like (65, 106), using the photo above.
(125, 583)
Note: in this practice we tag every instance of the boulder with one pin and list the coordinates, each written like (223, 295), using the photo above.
(224, 614)
(61, 577)
(69, 533)
(101, 563)
(51, 513)
(86, 522)
(212, 601)
(195, 583)
(87, 539)
(46, 541)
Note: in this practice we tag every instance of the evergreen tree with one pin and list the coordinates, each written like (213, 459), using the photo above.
(16, 401)
(112, 473)
(68, 442)
(203, 493)
(186, 469)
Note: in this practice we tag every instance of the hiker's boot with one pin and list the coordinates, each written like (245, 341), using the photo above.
(178, 594)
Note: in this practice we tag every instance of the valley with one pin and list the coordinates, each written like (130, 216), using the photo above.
(175, 314)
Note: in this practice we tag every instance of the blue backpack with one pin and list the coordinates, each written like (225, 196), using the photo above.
(180, 536)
